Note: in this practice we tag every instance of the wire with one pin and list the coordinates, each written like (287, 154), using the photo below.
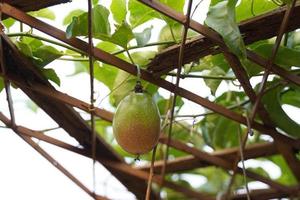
(242, 146)
(180, 62)
(92, 108)
(151, 174)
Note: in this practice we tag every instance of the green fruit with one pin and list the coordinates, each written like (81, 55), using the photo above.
(136, 124)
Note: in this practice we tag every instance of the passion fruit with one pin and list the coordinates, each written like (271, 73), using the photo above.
(136, 124)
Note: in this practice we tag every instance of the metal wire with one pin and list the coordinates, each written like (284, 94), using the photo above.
(180, 62)
(151, 174)
(92, 108)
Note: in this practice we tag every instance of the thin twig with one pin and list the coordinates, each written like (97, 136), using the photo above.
(242, 147)
(6, 81)
(91, 66)
(202, 76)
(227, 194)
(209, 77)
(196, 7)
(252, 8)
(180, 62)
(45, 40)
(49, 129)
(130, 57)
(240, 156)
(211, 113)
(151, 174)
(80, 52)
(147, 45)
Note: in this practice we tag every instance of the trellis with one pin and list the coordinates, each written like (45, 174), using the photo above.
(59, 106)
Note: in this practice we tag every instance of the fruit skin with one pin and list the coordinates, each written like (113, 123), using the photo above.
(136, 124)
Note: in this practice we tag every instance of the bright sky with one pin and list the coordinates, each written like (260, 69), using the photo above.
(24, 174)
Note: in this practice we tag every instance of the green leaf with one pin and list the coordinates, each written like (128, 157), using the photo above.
(143, 37)
(123, 84)
(208, 62)
(285, 57)
(32, 42)
(213, 84)
(272, 103)
(74, 13)
(32, 106)
(122, 36)
(102, 128)
(291, 97)
(101, 25)
(80, 67)
(221, 18)
(46, 55)
(44, 13)
(287, 176)
(175, 5)
(106, 74)
(164, 104)
(243, 10)
(251, 68)
(142, 58)
(288, 2)
(139, 13)
(40, 54)
(51, 75)
(293, 40)
(216, 180)
(9, 22)
(231, 98)
(219, 132)
(25, 49)
(118, 9)
(107, 46)
(259, 170)
(166, 34)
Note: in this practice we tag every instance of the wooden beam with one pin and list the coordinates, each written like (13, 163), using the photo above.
(33, 5)
(225, 164)
(191, 162)
(115, 61)
(266, 194)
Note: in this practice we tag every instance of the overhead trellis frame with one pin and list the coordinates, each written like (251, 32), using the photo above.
(283, 144)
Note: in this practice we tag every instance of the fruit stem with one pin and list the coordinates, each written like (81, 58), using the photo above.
(137, 158)
(138, 87)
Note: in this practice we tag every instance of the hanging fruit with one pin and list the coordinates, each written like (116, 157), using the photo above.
(136, 124)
